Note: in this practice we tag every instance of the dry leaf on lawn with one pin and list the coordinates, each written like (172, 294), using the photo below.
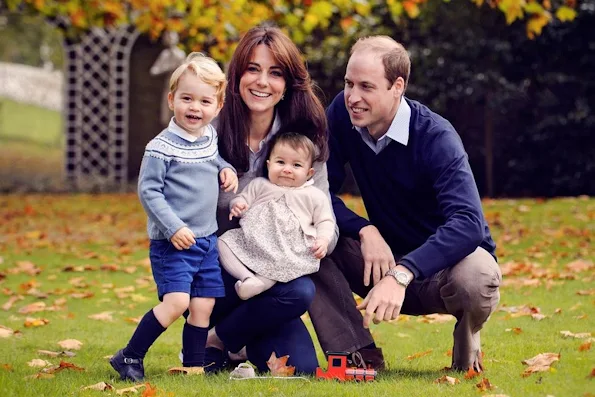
(484, 385)
(186, 371)
(101, 386)
(130, 390)
(580, 335)
(436, 318)
(541, 362)
(447, 379)
(11, 301)
(56, 354)
(5, 332)
(70, 344)
(32, 308)
(38, 362)
(471, 373)
(279, 367)
(103, 316)
(35, 322)
(418, 355)
(585, 346)
(60, 367)
(6, 367)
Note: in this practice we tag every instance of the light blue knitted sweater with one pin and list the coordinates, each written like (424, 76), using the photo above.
(178, 184)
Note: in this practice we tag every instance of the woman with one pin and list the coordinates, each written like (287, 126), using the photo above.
(268, 89)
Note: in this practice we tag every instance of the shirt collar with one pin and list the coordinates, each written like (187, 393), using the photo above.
(399, 128)
(179, 131)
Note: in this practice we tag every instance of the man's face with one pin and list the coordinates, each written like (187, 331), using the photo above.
(370, 100)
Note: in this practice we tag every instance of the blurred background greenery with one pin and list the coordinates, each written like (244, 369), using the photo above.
(523, 106)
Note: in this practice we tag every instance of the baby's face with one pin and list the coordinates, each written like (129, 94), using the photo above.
(194, 103)
(289, 167)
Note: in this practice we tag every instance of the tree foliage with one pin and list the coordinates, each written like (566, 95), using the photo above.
(216, 25)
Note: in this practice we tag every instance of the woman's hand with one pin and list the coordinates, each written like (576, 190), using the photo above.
(320, 248)
(229, 180)
(237, 210)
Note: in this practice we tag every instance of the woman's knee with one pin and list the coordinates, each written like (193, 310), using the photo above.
(301, 291)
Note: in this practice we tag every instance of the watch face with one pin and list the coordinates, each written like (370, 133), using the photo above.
(402, 278)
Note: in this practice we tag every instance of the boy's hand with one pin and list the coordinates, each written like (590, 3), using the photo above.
(320, 247)
(229, 180)
(183, 239)
(237, 210)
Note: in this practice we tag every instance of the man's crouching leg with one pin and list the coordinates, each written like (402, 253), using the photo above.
(471, 294)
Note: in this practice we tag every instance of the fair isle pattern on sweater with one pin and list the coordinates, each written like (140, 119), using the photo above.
(165, 149)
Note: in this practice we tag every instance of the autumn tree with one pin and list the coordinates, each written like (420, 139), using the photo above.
(216, 25)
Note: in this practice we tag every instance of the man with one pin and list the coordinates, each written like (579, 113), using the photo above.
(427, 247)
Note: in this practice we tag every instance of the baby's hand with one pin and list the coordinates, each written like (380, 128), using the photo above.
(320, 247)
(229, 180)
(237, 210)
(183, 239)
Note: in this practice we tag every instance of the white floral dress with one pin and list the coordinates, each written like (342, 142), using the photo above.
(271, 242)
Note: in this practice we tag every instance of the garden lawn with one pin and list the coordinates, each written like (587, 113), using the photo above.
(76, 267)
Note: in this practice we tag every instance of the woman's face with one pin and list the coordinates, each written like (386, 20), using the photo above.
(262, 85)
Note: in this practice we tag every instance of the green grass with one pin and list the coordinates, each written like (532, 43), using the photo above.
(32, 143)
(30, 124)
(56, 231)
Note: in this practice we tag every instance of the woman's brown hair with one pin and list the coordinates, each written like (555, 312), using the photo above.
(300, 102)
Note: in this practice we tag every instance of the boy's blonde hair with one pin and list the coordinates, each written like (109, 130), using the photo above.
(206, 69)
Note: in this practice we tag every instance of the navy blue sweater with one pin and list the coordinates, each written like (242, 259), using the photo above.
(422, 197)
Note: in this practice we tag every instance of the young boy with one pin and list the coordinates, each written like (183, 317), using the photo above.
(178, 188)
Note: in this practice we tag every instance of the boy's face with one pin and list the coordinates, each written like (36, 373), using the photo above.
(194, 103)
(289, 167)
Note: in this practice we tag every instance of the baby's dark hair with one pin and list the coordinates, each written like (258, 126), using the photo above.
(296, 141)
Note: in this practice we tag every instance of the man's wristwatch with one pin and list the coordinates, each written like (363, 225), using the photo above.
(402, 278)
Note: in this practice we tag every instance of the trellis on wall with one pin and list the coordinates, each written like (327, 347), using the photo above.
(96, 110)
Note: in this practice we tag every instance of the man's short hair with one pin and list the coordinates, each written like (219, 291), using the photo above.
(395, 57)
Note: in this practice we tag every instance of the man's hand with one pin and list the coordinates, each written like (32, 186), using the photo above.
(183, 239)
(229, 180)
(320, 248)
(237, 210)
(384, 301)
(378, 257)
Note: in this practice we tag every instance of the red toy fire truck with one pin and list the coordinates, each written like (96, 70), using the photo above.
(337, 369)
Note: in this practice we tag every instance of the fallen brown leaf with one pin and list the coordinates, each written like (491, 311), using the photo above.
(7, 367)
(586, 292)
(592, 374)
(60, 367)
(5, 332)
(579, 265)
(580, 335)
(484, 385)
(436, 318)
(471, 373)
(103, 316)
(585, 346)
(447, 379)
(37, 362)
(515, 330)
(186, 371)
(32, 308)
(70, 344)
(56, 354)
(101, 386)
(11, 301)
(35, 322)
(418, 355)
(540, 363)
(278, 366)
(130, 390)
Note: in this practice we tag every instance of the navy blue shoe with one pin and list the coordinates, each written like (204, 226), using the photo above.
(129, 368)
(215, 360)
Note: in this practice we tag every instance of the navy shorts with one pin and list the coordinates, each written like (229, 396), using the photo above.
(194, 271)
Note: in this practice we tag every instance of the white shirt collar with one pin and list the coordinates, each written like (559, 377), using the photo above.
(179, 131)
(399, 128)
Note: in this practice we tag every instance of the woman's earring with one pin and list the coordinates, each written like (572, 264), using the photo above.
(282, 96)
